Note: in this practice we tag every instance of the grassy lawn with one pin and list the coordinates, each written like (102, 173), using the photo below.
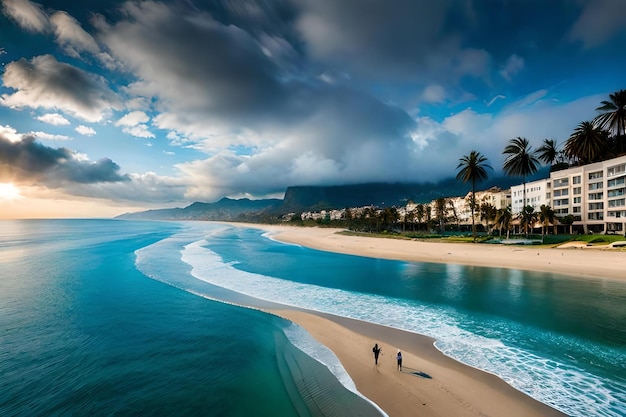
(548, 240)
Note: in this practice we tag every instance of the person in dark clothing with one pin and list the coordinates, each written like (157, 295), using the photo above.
(399, 357)
(376, 351)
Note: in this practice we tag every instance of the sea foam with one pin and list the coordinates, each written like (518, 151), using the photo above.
(560, 385)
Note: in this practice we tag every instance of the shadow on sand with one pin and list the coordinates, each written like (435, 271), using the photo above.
(415, 372)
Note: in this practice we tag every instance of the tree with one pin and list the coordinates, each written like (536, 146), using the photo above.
(568, 221)
(520, 161)
(504, 218)
(613, 117)
(527, 217)
(549, 153)
(487, 212)
(546, 216)
(588, 143)
(440, 212)
(420, 212)
(453, 214)
(473, 169)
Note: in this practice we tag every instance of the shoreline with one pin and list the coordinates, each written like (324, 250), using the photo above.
(432, 384)
(569, 259)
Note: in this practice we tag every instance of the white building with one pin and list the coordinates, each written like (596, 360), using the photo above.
(537, 193)
(594, 194)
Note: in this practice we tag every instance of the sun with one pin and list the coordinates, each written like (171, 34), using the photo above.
(8, 191)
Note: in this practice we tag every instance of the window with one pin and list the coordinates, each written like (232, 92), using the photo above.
(620, 202)
(616, 182)
(575, 209)
(616, 193)
(595, 186)
(561, 182)
(595, 175)
(561, 202)
(616, 170)
(596, 196)
(576, 180)
(577, 200)
(577, 190)
(595, 216)
(596, 206)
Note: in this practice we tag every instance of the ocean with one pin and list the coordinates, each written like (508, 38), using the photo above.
(110, 317)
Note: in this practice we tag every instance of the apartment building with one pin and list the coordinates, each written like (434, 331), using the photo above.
(594, 194)
(537, 193)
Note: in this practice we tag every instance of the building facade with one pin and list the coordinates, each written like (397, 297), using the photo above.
(594, 194)
(537, 193)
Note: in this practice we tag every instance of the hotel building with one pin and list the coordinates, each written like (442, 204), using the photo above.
(594, 194)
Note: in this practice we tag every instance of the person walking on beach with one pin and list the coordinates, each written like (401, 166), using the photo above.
(376, 351)
(399, 357)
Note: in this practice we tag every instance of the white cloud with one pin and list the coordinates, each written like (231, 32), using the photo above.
(512, 66)
(134, 124)
(30, 16)
(49, 136)
(54, 119)
(133, 119)
(9, 133)
(71, 36)
(44, 82)
(138, 131)
(85, 130)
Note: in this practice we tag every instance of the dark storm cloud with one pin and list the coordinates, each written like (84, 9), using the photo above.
(28, 160)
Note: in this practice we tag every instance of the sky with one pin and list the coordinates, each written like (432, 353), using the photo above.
(114, 106)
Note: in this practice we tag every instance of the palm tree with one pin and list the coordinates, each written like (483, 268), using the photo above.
(419, 213)
(487, 212)
(587, 144)
(521, 161)
(473, 169)
(568, 221)
(546, 216)
(504, 218)
(441, 211)
(549, 153)
(613, 117)
(527, 217)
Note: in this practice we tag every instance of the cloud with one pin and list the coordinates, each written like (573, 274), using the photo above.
(53, 119)
(71, 36)
(599, 21)
(30, 16)
(434, 94)
(134, 124)
(85, 130)
(44, 82)
(406, 42)
(9, 134)
(49, 136)
(27, 161)
(512, 66)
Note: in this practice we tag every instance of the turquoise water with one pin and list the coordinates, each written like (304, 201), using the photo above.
(112, 317)
(84, 332)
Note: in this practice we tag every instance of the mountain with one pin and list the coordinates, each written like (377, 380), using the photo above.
(225, 209)
(315, 198)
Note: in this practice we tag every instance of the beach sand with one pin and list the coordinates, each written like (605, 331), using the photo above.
(431, 384)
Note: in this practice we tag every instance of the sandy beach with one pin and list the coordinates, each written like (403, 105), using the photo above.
(431, 384)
